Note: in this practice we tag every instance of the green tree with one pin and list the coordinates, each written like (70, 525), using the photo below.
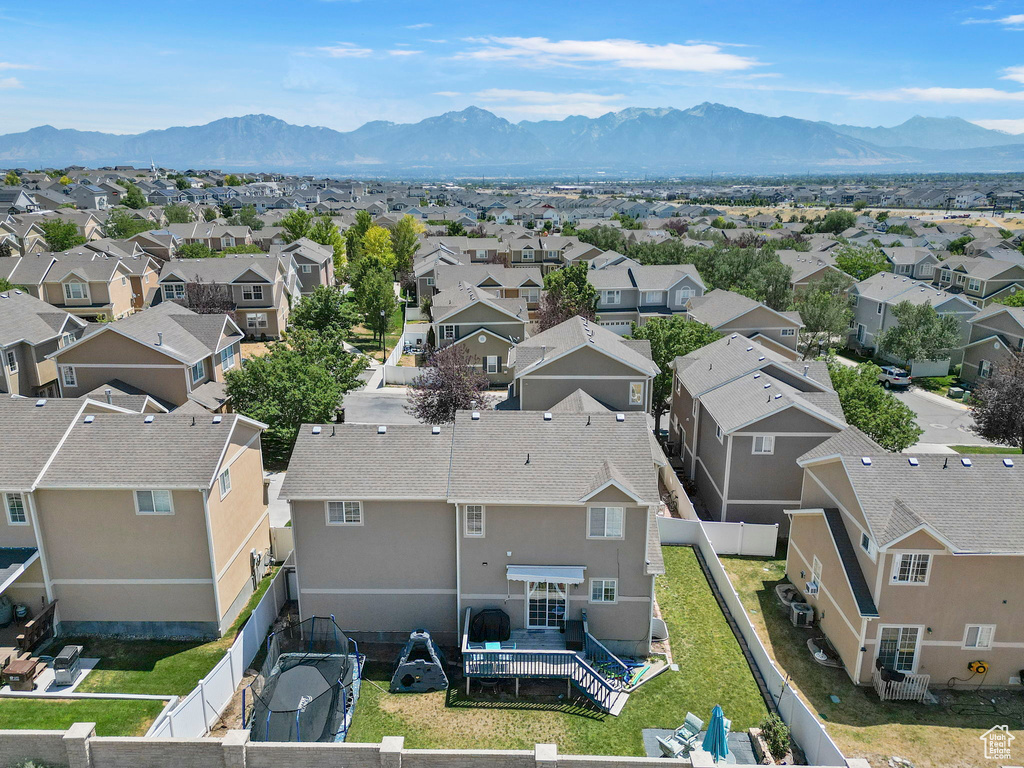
(836, 222)
(769, 284)
(567, 293)
(859, 205)
(246, 217)
(6, 285)
(66, 180)
(325, 232)
(209, 214)
(178, 213)
(455, 229)
(999, 403)
(354, 236)
(376, 245)
(232, 181)
(861, 261)
(121, 225)
(1012, 300)
(824, 307)
(920, 333)
(227, 211)
(296, 225)
(378, 302)
(12, 179)
(326, 309)
(61, 234)
(604, 237)
(250, 248)
(404, 243)
(670, 338)
(194, 251)
(900, 229)
(182, 183)
(882, 216)
(451, 382)
(877, 413)
(956, 247)
(134, 198)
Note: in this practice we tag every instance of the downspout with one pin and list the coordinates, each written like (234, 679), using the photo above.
(39, 545)
(458, 578)
(696, 437)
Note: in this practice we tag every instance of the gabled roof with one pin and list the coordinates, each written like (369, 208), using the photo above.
(579, 402)
(894, 289)
(446, 304)
(576, 333)
(447, 277)
(24, 318)
(31, 434)
(719, 308)
(224, 271)
(850, 442)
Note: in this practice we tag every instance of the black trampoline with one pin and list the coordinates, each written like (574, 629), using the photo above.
(308, 686)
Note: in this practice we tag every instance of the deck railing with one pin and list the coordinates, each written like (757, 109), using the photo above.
(911, 688)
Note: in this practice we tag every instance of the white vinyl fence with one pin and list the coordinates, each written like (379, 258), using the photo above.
(193, 715)
(804, 726)
(753, 539)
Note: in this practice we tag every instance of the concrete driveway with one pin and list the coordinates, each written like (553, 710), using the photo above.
(944, 422)
(377, 406)
(280, 514)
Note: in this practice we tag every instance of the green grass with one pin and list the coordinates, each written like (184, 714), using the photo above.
(362, 339)
(984, 449)
(156, 667)
(113, 717)
(712, 671)
(930, 736)
(938, 384)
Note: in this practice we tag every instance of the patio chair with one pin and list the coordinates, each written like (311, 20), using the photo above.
(687, 732)
(673, 747)
(728, 724)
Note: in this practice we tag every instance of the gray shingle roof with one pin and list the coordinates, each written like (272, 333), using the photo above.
(30, 435)
(758, 395)
(450, 276)
(851, 565)
(578, 402)
(577, 332)
(719, 307)
(850, 442)
(25, 318)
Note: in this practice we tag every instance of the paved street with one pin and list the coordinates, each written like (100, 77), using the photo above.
(944, 422)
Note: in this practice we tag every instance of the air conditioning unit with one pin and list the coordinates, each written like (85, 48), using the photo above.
(811, 588)
(801, 614)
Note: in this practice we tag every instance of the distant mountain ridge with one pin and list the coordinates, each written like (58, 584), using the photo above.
(663, 141)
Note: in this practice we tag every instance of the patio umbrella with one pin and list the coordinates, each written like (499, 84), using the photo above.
(716, 740)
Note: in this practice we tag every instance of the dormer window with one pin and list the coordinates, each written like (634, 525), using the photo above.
(252, 292)
(173, 291)
(76, 291)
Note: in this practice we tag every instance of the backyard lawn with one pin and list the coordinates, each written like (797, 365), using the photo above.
(943, 735)
(113, 717)
(712, 671)
(362, 338)
(156, 666)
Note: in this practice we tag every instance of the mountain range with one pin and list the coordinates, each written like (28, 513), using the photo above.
(661, 142)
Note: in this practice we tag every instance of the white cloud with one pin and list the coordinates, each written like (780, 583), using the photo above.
(1015, 21)
(403, 52)
(11, 65)
(10, 82)
(345, 51)
(448, 94)
(547, 103)
(949, 95)
(1013, 73)
(428, 40)
(421, 25)
(629, 54)
(542, 97)
(1009, 126)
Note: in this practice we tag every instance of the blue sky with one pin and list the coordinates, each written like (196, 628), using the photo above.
(127, 67)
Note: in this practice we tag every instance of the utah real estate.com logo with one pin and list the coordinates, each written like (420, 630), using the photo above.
(997, 742)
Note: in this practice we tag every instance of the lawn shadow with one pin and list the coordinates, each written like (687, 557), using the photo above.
(529, 699)
(129, 655)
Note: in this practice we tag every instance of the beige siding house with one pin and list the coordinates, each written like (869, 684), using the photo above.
(996, 334)
(730, 312)
(567, 525)
(911, 562)
(140, 524)
(30, 330)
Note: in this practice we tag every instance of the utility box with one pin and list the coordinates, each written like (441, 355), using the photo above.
(801, 614)
(67, 665)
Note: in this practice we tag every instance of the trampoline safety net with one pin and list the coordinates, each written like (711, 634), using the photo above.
(307, 686)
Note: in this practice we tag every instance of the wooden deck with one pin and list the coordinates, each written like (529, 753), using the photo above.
(538, 640)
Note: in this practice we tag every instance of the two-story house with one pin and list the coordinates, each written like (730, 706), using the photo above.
(729, 312)
(150, 525)
(980, 280)
(314, 263)
(504, 282)
(568, 524)
(166, 351)
(741, 415)
(259, 290)
(629, 293)
(918, 263)
(547, 252)
(92, 287)
(808, 267)
(579, 354)
(996, 333)
(911, 563)
(30, 330)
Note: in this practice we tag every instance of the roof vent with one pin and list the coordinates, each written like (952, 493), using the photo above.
(149, 419)
(734, 336)
(760, 359)
(757, 375)
(750, 349)
(965, 461)
(90, 419)
(547, 417)
(865, 460)
(41, 402)
(806, 369)
(382, 430)
(1007, 462)
(768, 384)
(620, 417)
(912, 461)
(159, 338)
(17, 293)
(316, 430)
(778, 395)
(435, 430)
(475, 416)
(218, 419)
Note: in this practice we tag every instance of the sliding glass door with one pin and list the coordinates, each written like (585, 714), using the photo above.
(545, 605)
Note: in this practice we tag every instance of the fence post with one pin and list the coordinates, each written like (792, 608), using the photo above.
(545, 755)
(391, 748)
(739, 548)
(234, 744)
(76, 742)
(204, 703)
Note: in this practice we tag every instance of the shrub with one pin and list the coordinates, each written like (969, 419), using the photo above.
(776, 735)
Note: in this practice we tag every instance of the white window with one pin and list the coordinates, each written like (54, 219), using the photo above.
(344, 513)
(763, 444)
(198, 371)
(16, 509)
(611, 297)
(683, 295)
(789, 331)
(252, 292)
(474, 520)
(306, 268)
(527, 254)
(718, 433)
(974, 284)
(604, 523)
(636, 393)
(696, 406)
(174, 291)
(225, 482)
(927, 270)
(984, 369)
(911, 568)
(153, 503)
(67, 338)
(430, 281)
(979, 636)
(227, 358)
(604, 590)
(76, 291)
(12, 361)
(866, 545)
(530, 295)
(124, 281)
(447, 332)
(256, 320)
(816, 570)
(897, 648)
(67, 375)
(652, 297)
(492, 363)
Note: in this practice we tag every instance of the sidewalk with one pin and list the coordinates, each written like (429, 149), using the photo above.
(939, 399)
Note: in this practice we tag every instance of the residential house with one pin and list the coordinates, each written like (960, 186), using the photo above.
(996, 333)
(911, 563)
(27, 236)
(314, 263)
(980, 280)
(548, 252)
(151, 525)
(15, 200)
(741, 415)
(730, 312)
(92, 287)
(918, 263)
(578, 354)
(30, 329)
(808, 267)
(89, 196)
(504, 282)
(629, 293)
(568, 525)
(167, 351)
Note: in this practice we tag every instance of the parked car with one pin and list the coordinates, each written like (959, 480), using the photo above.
(894, 376)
